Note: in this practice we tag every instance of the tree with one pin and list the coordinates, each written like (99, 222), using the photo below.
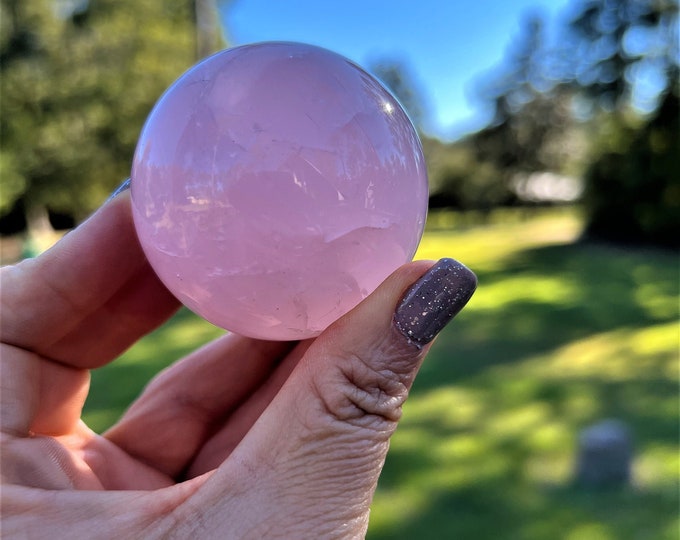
(209, 37)
(530, 114)
(633, 187)
(459, 180)
(78, 79)
(530, 130)
(396, 76)
(611, 44)
(633, 181)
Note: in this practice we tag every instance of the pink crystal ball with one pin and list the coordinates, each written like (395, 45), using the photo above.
(276, 185)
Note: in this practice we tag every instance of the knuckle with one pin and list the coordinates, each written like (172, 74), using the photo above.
(368, 389)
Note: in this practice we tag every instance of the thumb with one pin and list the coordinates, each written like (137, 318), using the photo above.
(310, 464)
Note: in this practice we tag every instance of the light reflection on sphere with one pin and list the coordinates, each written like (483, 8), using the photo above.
(275, 186)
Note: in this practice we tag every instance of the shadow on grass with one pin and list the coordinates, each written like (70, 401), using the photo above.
(502, 510)
(556, 338)
(544, 298)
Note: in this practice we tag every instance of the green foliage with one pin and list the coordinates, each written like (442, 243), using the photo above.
(633, 188)
(531, 130)
(78, 80)
(459, 179)
(396, 76)
(633, 183)
(617, 40)
(550, 104)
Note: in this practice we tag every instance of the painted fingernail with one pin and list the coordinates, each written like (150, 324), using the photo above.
(432, 301)
(120, 189)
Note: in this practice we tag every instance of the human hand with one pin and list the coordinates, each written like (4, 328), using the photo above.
(241, 439)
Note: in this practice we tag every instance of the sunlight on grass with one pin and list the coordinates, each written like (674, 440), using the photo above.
(528, 288)
(397, 506)
(655, 296)
(517, 421)
(463, 407)
(658, 464)
(486, 246)
(549, 468)
(591, 531)
(559, 335)
(619, 355)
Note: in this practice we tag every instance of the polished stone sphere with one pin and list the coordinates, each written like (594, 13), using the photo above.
(276, 185)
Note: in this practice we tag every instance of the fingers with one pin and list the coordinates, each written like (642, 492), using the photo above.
(38, 397)
(312, 460)
(187, 403)
(89, 297)
(241, 420)
(41, 513)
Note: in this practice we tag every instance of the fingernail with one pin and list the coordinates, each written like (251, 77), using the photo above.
(123, 187)
(432, 301)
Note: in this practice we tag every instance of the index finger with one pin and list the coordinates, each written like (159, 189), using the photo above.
(89, 297)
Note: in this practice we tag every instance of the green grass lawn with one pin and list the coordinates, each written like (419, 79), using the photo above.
(559, 335)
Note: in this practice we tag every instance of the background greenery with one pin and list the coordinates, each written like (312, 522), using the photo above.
(560, 334)
(76, 85)
(78, 78)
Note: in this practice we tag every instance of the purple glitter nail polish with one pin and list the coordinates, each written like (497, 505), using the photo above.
(433, 300)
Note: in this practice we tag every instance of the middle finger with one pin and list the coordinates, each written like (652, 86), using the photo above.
(181, 408)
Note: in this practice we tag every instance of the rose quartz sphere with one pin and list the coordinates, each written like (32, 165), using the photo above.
(275, 186)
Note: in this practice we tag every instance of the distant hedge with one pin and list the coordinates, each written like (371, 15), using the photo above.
(633, 194)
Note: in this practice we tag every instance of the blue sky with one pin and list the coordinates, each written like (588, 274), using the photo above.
(446, 44)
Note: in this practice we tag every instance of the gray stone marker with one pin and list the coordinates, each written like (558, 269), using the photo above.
(605, 455)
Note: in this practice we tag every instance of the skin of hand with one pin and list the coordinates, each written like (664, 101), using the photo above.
(241, 439)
